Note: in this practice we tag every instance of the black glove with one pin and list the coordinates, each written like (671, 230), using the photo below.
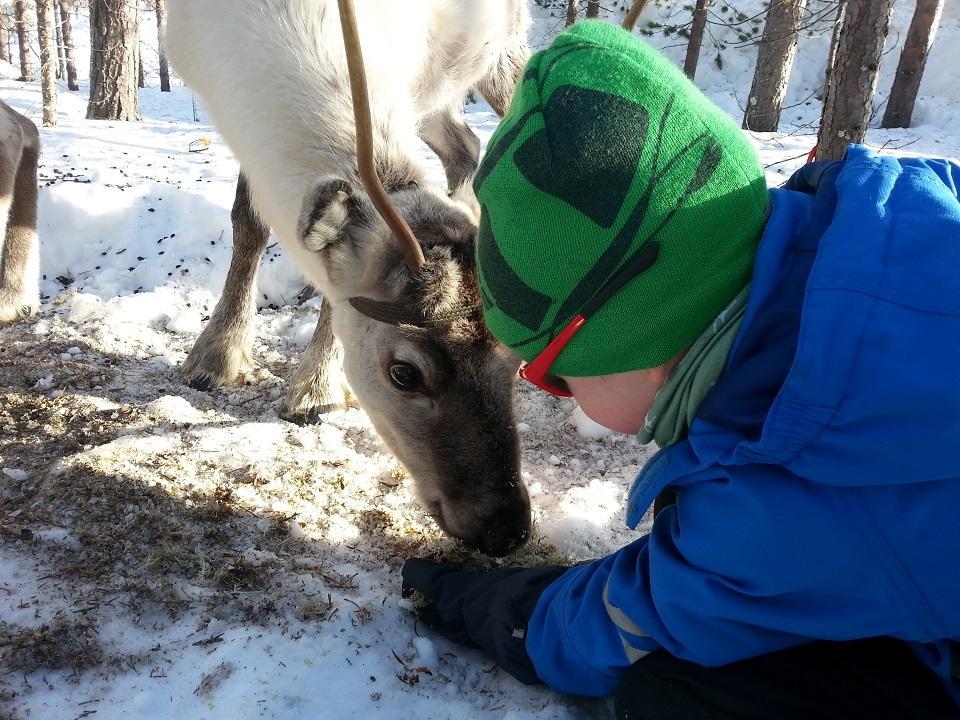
(486, 610)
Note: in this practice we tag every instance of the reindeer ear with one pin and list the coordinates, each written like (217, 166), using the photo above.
(327, 211)
(466, 199)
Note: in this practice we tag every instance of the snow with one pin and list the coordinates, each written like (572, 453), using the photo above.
(587, 427)
(938, 100)
(190, 554)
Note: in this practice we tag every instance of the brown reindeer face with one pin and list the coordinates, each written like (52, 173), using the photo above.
(440, 395)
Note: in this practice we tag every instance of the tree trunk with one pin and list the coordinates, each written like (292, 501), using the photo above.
(853, 77)
(571, 13)
(67, 30)
(48, 62)
(913, 60)
(113, 60)
(834, 42)
(832, 53)
(4, 46)
(61, 60)
(633, 14)
(774, 63)
(593, 8)
(696, 38)
(164, 67)
(23, 40)
(141, 78)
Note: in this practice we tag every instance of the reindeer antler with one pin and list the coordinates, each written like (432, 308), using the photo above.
(412, 252)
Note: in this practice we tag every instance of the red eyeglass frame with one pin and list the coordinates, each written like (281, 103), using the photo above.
(537, 370)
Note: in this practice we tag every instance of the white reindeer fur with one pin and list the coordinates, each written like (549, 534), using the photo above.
(19, 247)
(273, 75)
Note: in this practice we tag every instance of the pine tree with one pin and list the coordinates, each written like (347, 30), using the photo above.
(853, 78)
(48, 65)
(775, 56)
(696, 38)
(67, 29)
(10, 28)
(164, 67)
(913, 61)
(114, 35)
(834, 41)
(23, 39)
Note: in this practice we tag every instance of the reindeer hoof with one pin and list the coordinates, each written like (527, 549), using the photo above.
(206, 370)
(311, 416)
(203, 383)
(15, 311)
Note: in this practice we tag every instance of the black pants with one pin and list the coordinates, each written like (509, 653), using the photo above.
(877, 679)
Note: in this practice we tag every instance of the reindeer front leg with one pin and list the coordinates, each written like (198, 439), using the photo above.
(456, 145)
(317, 386)
(19, 276)
(226, 341)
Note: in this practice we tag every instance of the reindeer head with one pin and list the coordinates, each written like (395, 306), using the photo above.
(437, 386)
(435, 383)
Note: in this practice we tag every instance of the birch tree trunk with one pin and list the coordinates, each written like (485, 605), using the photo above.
(113, 60)
(696, 38)
(775, 56)
(913, 61)
(164, 66)
(853, 77)
(23, 40)
(58, 33)
(48, 63)
(67, 30)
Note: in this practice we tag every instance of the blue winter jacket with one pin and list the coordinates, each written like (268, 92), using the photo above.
(819, 486)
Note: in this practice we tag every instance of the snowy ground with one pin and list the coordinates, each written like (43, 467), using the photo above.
(172, 553)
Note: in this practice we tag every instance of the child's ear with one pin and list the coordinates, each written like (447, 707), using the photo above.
(327, 211)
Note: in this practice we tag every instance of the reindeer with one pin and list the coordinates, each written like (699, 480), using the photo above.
(20, 273)
(436, 385)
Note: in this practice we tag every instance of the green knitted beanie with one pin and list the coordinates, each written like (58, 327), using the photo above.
(608, 146)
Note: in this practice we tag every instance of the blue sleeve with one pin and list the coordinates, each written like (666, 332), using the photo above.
(740, 567)
(574, 644)
(947, 171)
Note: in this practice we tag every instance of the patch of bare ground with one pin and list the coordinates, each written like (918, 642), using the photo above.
(63, 643)
(140, 499)
(215, 678)
(36, 430)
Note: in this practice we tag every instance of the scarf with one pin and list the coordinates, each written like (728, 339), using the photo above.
(676, 403)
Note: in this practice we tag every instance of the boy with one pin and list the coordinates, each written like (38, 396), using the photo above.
(793, 352)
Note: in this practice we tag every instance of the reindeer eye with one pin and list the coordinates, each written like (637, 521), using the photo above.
(405, 376)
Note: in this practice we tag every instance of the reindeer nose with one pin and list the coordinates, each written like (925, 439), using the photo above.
(497, 542)
(508, 527)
